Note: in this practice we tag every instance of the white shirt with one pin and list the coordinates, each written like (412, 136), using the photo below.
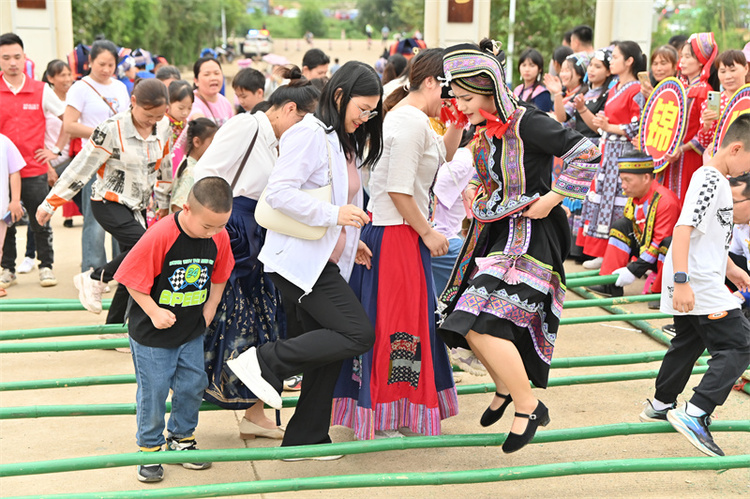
(11, 161)
(412, 153)
(451, 181)
(53, 127)
(741, 241)
(224, 155)
(303, 164)
(91, 106)
(707, 208)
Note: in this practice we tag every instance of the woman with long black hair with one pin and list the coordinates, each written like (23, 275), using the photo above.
(244, 151)
(328, 147)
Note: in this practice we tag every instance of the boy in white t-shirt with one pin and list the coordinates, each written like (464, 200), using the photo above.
(11, 163)
(706, 315)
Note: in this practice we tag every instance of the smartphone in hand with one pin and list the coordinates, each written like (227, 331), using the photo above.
(713, 101)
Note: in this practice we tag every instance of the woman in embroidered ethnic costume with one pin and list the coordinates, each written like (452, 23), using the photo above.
(619, 124)
(406, 380)
(506, 292)
(587, 106)
(696, 66)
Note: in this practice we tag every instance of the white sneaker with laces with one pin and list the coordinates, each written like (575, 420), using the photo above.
(46, 277)
(89, 291)
(27, 265)
(7, 279)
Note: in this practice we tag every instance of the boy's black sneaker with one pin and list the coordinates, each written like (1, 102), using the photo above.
(186, 444)
(150, 473)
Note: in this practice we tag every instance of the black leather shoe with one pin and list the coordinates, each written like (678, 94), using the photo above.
(607, 290)
(490, 416)
(515, 442)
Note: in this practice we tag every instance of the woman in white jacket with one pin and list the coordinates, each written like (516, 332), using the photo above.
(313, 274)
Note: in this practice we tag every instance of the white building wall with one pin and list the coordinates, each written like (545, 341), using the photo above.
(46, 33)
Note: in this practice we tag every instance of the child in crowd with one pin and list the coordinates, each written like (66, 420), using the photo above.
(532, 90)
(11, 163)
(181, 99)
(248, 85)
(167, 274)
(200, 135)
(125, 158)
(706, 315)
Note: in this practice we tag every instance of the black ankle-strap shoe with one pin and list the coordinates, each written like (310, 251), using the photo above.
(491, 416)
(540, 417)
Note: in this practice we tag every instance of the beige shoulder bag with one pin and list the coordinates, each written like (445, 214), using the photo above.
(277, 221)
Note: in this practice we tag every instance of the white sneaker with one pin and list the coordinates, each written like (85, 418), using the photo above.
(27, 265)
(594, 264)
(247, 369)
(388, 434)
(46, 277)
(7, 279)
(89, 291)
(467, 361)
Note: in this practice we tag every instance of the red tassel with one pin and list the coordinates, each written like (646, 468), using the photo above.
(495, 127)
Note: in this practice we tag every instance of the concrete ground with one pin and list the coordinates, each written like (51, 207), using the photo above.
(24, 440)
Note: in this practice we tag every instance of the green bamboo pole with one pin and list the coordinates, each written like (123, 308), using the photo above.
(650, 330)
(428, 478)
(118, 379)
(584, 273)
(589, 319)
(348, 448)
(620, 300)
(50, 332)
(65, 346)
(33, 301)
(45, 411)
(23, 334)
(591, 281)
(644, 326)
(41, 384)
(60, 306)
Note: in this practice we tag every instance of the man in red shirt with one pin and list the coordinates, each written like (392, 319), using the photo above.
(23, 102)
(645, 230)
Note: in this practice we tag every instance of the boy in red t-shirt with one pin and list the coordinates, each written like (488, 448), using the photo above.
(167, 274)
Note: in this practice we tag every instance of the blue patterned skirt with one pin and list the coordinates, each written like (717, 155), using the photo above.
(249, 314)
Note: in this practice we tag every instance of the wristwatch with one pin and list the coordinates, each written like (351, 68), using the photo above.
(56, 150)
(681, 277)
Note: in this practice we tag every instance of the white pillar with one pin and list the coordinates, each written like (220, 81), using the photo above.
(624, 20)
(438, 32)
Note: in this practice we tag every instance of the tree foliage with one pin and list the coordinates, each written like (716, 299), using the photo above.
(177, 29)
(728, 19)
(311, 19)
(540, 24)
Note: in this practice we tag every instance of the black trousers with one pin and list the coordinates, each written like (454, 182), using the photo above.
(120, 222)
(335, 327)
(727, 339)
(33, 192)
